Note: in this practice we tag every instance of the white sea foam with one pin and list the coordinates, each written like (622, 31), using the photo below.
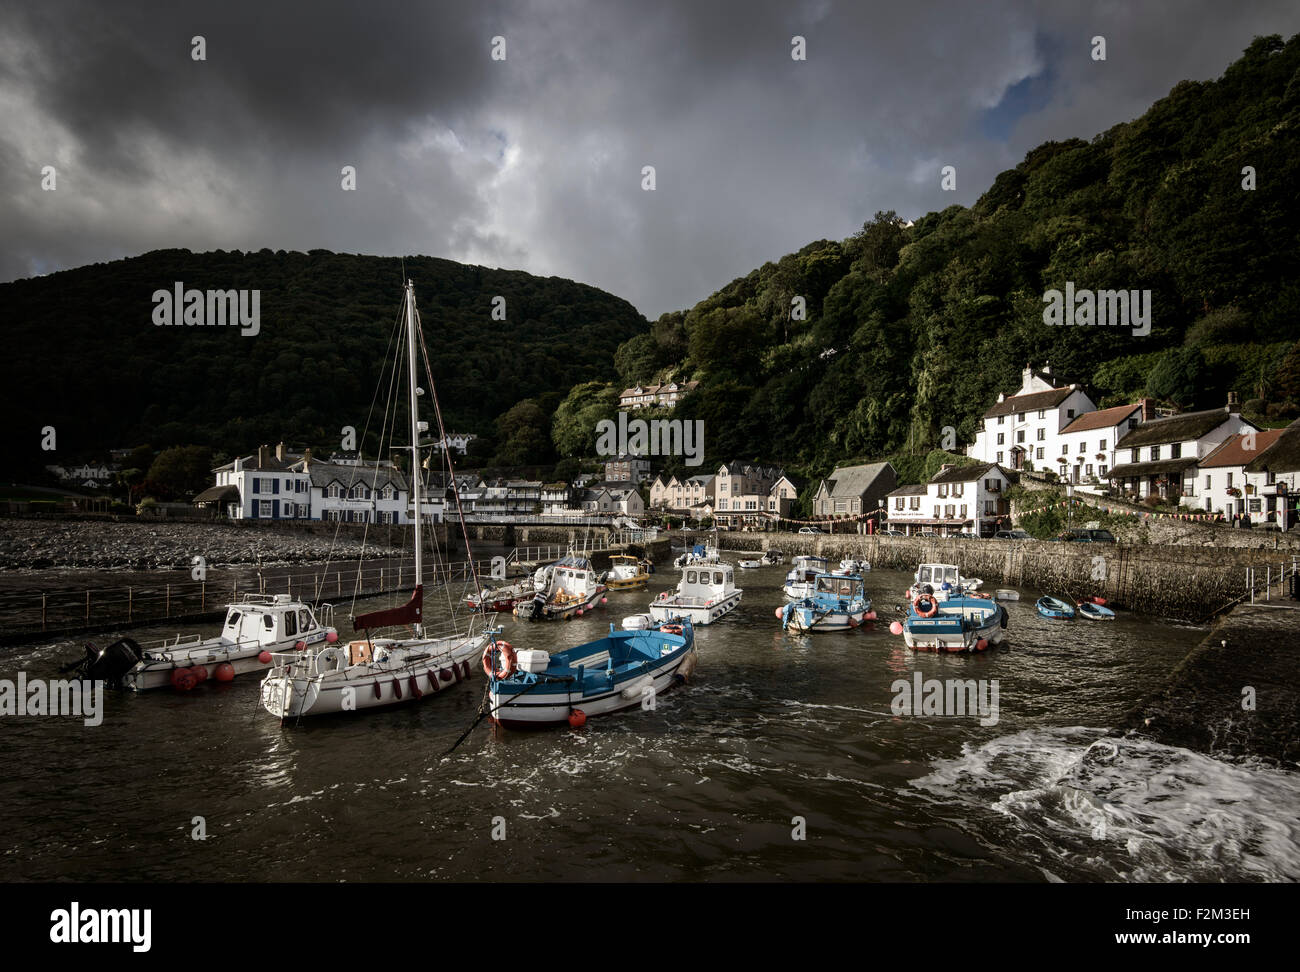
(1132, 809)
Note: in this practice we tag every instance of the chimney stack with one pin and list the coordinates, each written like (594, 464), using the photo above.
(306, 456)
(279, 451)
(1148, 409)
(263, 456)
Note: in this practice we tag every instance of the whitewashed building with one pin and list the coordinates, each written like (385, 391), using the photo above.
(1219, 482)
(1024, 429)
(358, 492)
(1087, 444)
(957, 500)
(260, 487)
(672, 493)
(1160, 456)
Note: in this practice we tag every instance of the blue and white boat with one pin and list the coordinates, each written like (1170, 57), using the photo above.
(942, 581)
(1054, 607)
(801, 581)
(838, 603)
(1095, 612)
(620, 671)
(954, 624)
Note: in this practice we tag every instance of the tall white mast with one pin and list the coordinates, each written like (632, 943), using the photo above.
(415, 433)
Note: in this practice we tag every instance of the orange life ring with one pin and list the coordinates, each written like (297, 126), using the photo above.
(671, 628)
(507, 660)
(934, 605)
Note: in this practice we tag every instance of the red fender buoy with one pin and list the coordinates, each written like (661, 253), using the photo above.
(264, 657)
(379, 693)
(981, 645)
(200, 673)
(397, 689)
(433, 680)
(225, 672)
(415, 688)
(444, 674)
(300, 646)
(183, 679)
(577, 718)
(466, 666)
(331, 636)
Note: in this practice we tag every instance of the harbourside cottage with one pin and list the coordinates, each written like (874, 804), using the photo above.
(854, 490)
(1220, 483)
(260, 487)
(957, 500)
(358, 491)
(1275, 475)
(613, 498)
(680, 495)
(742, 492)
(1024, 429)
(1156, 457)
(1087, 444)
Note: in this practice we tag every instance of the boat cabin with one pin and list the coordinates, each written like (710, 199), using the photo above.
(936, 575)
(839, 585)
(703, 584)
(573, 575)
(260, 619)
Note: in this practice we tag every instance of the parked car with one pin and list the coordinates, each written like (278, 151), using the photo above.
(1011, 535)
(810, 529)
(891, 533)
(1088, 536)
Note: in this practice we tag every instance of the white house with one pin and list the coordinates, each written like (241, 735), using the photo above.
(260, 487)
(1219, 482)
(613, 498)
(1024, 429)
(1160, 456)
(1087, 444)
(957, 500)
(1275, 474)
(671, 493)
(359, 492)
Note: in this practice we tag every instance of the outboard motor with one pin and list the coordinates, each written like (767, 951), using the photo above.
(111, 663)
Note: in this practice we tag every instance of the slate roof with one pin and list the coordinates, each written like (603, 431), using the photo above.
(324, 473)
(972, 473)
(1029, 403)
(1160, 467)
(850, 481)
(1175, 428)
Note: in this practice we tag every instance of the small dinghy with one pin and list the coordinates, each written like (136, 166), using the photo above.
(1006, 594)
(1095, 612)
(750, 564)
(1054, 607)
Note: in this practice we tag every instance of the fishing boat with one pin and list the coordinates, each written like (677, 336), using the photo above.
(705, 593)
(701, 553)
(1095, 612)
(500, 599)
(839, 602)
(953, 624)
(620, 671)
(369, 673)
(626, 573)
(850, 566)
(942, 581)
(1054, 607)
(801, 581)
(574, 589)
(255, 626)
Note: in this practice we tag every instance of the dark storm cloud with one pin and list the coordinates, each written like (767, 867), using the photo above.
(536, 162)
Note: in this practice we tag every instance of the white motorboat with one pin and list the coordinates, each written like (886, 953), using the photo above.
(705, 593)
(850, 566)
(700, 554)
(942, 581)
(627, 573)
(801, 581)
(370, 673)
(749, 564)
(574, 589)
(255, 627)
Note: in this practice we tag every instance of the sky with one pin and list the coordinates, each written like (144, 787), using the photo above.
(535, 161)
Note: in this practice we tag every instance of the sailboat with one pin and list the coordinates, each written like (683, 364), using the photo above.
(370, 673)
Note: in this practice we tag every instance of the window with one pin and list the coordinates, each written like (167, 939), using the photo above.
(898, 503)
(268, 622)
(257, 485)
(936, 511)
(1020, 435)
(387, 493)
(1155, 453)
(956, 489)
(1088, 469)
(335, 491)
(290, 624)
(1069, 413)
(949, 512)
(963, 511)
(1101, 446)
(840, 506)
(943, 490)
(1042, 413)
(1040, 453)
(999, 459)
(1000, 419)
(1065, 448)
(717, 577)
(1002, 438)
(1042, 435)
(1101, 471)
(690, 577)
(1020, 416)
(1133, 455)
(264, 508)
(1230, 480)
(914, 503)
(1176, 451)
(989, 507)
(233, 620)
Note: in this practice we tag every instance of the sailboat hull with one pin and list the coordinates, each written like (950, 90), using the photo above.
(414, 670)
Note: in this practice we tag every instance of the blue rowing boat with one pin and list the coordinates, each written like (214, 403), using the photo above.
(1054, 607)
(1095, 612)
(622, 670)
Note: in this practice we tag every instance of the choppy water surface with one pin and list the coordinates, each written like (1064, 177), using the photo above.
(772, 727)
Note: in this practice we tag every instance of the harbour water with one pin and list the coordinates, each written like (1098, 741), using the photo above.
(778, 736)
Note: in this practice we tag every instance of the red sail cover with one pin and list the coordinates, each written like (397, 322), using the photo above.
(408, 613)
